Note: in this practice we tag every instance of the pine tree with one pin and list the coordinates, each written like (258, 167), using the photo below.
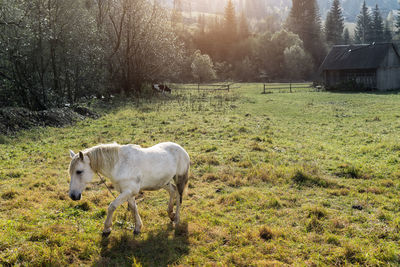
(230, 21)
(363, 31)
(305, 21)
(346, 37)
(397, 22)
(177, 17)
(387, 33)
(377, 26)
(334, 24)
(243, 27)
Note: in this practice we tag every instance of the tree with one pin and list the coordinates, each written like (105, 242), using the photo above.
(202, 67)
(57, 51)
(142, 47)
(297, 62)
(49, 52)
(334, 24)
(246, 70)
(377, 26)
(176, 17)
(269, 52)
(244, 31)
(397, 22)
(304, 20)
(346, 37)
(387, 33)
(230, 24)
(363, 31)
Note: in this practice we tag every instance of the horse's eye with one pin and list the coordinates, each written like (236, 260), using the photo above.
(79, 172)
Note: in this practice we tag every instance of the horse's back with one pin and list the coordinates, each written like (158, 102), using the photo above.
(180, 155)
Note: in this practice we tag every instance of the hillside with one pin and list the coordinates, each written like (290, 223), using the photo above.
(259, 8)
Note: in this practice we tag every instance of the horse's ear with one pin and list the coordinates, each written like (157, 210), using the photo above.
(72, 154)
(81, 155)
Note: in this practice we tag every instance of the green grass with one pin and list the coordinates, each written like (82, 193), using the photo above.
(273, 180)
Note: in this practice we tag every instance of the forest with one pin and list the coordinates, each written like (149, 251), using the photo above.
(55, 52)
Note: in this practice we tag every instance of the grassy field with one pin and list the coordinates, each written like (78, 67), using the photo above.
(303, 178)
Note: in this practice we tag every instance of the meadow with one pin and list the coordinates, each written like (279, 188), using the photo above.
(302, 178)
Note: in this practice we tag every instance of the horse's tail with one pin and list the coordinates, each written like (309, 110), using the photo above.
(182, 183)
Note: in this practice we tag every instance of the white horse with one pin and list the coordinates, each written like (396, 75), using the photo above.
(132, 169)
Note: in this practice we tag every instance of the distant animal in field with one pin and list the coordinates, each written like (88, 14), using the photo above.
(161, 88)
(132, 169)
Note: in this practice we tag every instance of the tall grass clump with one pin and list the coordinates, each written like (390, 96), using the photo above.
(351, 171)
(311, 177)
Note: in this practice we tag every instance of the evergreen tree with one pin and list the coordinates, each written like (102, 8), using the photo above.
(334, 24)
(363, 31)
(177, 17)
(377, 26)
(230, 21)
(305, 21)
(387, 33)
(243, 27)
(346, 37)
(397, 22)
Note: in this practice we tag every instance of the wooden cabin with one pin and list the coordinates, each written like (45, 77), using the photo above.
(372, 66)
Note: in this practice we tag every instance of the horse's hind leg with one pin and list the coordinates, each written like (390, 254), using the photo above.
(172, 190)
(138, 221)
(178, 205)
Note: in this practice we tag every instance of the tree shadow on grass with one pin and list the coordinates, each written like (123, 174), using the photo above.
(368, 92)
(158, 248)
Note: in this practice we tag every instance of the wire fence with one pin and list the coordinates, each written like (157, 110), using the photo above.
(269, 88)
(206, 87)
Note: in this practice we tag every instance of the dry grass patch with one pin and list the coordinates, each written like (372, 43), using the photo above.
(339, 192)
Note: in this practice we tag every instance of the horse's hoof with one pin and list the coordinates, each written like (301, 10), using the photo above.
(106, 234)
(136, 232)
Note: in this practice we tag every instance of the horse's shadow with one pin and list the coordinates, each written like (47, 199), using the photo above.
(159, 248)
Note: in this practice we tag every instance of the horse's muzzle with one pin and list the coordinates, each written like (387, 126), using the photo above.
(75, 196)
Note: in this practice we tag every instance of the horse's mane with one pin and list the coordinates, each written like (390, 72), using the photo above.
(103, 157)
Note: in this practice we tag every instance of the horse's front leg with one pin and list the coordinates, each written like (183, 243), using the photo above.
(124, 196)
(138, 221)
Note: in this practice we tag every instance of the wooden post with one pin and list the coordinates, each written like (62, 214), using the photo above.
(264, 89)
(290, 86)
(228, 87)
(198, 87)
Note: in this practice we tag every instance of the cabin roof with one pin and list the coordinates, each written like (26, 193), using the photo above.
(362, 56)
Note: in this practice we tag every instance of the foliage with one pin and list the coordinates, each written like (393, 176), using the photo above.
(304, 20)
(363, 31)
(53, 52)
(142, 46)
(334, 24)
(346, 37)
(377, 26)
(387, 33)
(203, 67)
(298, 63)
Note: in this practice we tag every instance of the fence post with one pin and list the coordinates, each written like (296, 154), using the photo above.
(228, 87)
(264, 89)
(198, 87)
(290, 86)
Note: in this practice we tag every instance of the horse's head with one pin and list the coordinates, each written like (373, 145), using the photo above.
(80, 172)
